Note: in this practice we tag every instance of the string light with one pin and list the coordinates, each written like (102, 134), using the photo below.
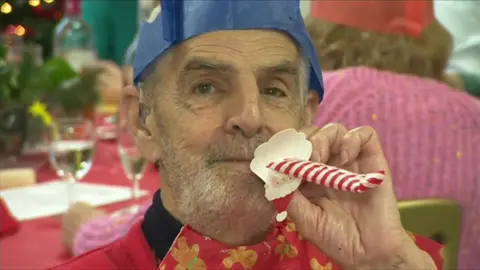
(6, 8)
(20, 30)
(48, 1)
(34, 3)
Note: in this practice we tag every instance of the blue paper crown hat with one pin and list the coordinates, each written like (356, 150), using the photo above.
(184, 19)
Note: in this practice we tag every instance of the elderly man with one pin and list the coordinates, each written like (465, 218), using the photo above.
(215, 80)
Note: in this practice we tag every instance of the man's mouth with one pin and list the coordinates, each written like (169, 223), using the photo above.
(237, 160)
(236, 163)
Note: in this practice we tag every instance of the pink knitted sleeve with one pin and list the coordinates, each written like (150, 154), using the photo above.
(105, 230)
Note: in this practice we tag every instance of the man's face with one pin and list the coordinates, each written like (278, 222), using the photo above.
(219, 96)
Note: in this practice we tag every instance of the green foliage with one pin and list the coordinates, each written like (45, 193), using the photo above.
(40, 25)
(53, 82)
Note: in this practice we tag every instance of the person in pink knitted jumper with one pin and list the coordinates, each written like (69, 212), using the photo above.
(430, 135)
(389, 73)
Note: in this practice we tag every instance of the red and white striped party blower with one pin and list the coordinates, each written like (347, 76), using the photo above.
(282, 175)
(328, 176)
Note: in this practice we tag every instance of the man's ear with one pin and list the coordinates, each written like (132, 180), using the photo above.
(311, 107)
(136, 113)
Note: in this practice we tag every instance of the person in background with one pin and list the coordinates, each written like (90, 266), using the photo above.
(391, 78)
(232, 86)
(113, 37)
(462, 20)
(114, 25)
(145, 8)
(85, 228)
(110, 81)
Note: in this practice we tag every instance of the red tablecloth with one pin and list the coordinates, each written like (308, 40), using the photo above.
(37, 244)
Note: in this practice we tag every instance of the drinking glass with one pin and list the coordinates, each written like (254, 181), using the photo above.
(133, 163)
(72, 147)
(14, 46)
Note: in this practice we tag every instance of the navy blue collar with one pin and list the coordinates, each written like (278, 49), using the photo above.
(160, 227)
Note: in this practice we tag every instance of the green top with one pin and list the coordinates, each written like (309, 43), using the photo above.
(114, 25)
(471, 83)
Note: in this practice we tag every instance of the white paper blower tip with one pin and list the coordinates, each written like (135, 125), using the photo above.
(282, 216)
(286, 144)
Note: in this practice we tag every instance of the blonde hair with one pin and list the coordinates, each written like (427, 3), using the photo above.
(340, 46)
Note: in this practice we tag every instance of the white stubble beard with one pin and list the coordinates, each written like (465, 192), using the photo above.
(214, 202)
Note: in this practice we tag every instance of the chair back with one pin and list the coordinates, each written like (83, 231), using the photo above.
(437, 219)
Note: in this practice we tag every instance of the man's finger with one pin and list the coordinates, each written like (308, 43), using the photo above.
(128, 75)
(351, 146)
(326, 142)
(313, 191)
(362, 140)
(130, 91)
(365, 142)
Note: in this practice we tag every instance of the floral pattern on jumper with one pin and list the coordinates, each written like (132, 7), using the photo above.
(315, 265)
(285, 249)
(186, 256)
(291, 227)
(282, 249)
(243, 256)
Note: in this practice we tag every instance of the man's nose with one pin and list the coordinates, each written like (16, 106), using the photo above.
(245, 115)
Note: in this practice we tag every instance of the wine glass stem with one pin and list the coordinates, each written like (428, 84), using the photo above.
(135, 189)
(70, 191)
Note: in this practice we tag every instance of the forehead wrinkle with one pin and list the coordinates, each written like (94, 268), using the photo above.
(253, 41)
(218, 49)
(212, 42)
(263, 60)
(284, 65)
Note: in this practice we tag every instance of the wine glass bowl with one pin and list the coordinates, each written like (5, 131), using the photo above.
(72, 147)
(133, 163)
(72, 158)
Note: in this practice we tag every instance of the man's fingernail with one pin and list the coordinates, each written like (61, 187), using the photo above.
(344, 157)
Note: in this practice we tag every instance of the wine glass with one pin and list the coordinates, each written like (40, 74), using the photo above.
(14, 46)
(133, 163)
(72, 147)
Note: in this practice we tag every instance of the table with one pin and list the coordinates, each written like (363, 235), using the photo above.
(37, 244)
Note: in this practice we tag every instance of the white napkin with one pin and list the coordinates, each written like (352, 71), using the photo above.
(48, 199)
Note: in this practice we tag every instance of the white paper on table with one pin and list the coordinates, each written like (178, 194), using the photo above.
(48, 199)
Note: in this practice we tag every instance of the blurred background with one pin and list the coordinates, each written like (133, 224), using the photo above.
(32, 20)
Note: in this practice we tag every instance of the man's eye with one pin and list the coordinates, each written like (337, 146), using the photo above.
(204, 89)
(275, 92)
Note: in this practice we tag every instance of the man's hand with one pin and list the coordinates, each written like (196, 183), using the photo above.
(128, 75)
(110, 81)
(454, 81)
(355, 230)
(78, 215)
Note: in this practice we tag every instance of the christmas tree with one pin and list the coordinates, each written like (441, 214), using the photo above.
(33, 20)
